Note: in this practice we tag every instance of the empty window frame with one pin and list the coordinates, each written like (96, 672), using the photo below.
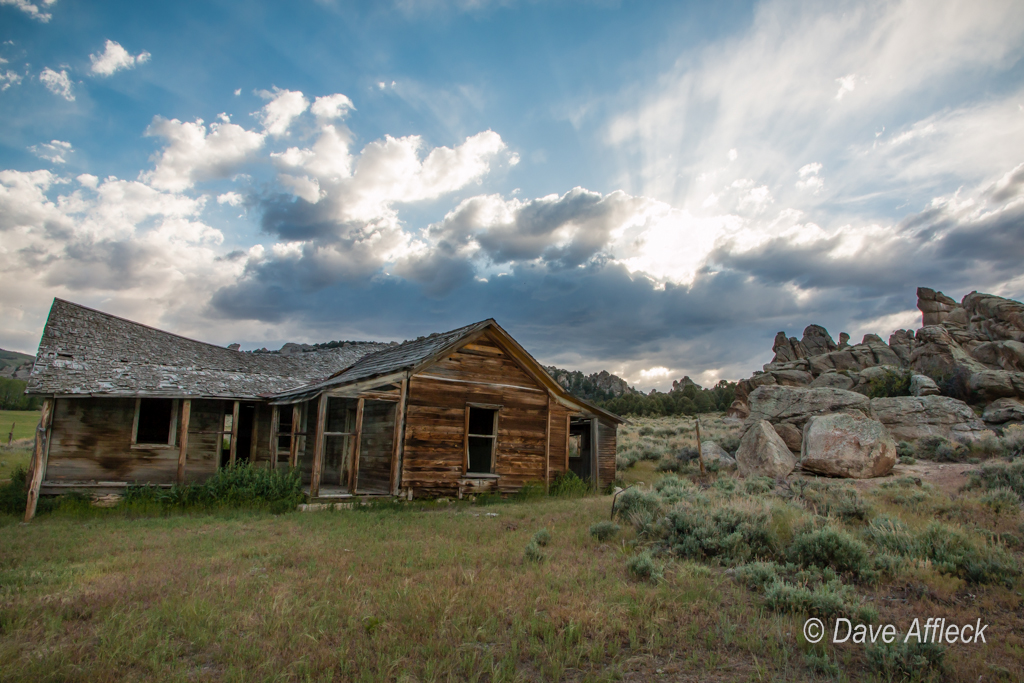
(154, 423)
(481, 438)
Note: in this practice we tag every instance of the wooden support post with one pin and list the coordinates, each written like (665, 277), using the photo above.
(547, 449)
(354, 470)
(234, 434)
(595, 460)
(700, 454)
(293, 443)
(275, 425)
(42, 447)
(568, 440)
(318, 447)
(396, 452)
(186, 413)
(254, 436)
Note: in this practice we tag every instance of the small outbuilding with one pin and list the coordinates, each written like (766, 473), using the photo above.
(452, 414)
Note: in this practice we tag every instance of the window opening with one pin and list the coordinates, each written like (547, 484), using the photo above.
(481, 438)
(154, 423)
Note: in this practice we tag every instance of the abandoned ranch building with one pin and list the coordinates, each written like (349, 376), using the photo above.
(457, 413)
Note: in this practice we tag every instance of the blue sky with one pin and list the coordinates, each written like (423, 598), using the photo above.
(649, 188)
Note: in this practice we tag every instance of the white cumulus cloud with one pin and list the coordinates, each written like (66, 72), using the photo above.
(115, 58)
(8, 78)
(332, 106)
(58, 83)
(193, 154)
(283, 108)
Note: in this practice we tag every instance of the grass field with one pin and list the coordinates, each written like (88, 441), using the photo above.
(24, 421)
(435, 592)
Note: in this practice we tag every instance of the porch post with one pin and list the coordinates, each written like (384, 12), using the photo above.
(234, 433)
(39, 453)
(318, 447)
(354, 470)
(396, 453)
(186, 413)
(275, 425)
(547, 448)
(293, 444)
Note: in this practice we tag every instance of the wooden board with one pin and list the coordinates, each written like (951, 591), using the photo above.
(606, 453)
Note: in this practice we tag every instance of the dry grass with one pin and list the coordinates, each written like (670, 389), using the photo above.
(433, 592)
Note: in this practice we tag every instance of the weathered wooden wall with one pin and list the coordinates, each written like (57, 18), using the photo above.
(376, 446)
(307, 445)
(435, 420)
(261, 454)
(559, 438)
(605, 453)
(91, 441)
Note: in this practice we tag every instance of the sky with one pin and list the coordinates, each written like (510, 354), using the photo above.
(649, 188)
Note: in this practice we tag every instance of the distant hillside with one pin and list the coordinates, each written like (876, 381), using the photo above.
(14, 358)
(600, 386)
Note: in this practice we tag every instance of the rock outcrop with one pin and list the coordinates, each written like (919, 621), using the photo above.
(762, 452)
(909, 418)
(795, 406)
(972, 350)
(847, 445)
(712, 452)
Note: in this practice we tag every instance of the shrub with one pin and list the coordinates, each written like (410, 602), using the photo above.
(987, 447)
(830, 500)
(603, 531)
(904, 449)
(999, 476)
(827, 600)
(892, 382)
(1001, 500)
(646, 430)
(730, 534)
(759, 485)
(830, 547)
(907, 460)
(634, 500)
(757, 575)
(642, 567)
(821, 664)
(568, 485)
(729, 443)
(14, 494)
(905, 491)
(240, 485)
(542, 537)
(892, 536)
(532, 553)
(725, 484)
(954, 552)
(940, 449)
(898, 661)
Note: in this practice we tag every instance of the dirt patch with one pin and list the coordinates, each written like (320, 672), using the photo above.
(948, 477)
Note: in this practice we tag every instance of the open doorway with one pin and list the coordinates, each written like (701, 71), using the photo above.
(581, 452)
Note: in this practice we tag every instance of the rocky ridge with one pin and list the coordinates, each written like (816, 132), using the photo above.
(966, 361)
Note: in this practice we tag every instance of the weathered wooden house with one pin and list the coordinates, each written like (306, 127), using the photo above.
(461, 412)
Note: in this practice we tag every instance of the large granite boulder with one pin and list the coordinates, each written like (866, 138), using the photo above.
(793, 405)
(836, 380)
(909, 418)
(762, 452)
(923, 385)
(935, 306)
(998, 318)
(1004, 410)
(712, 452)
(791, 435)
(817, 340)
(847, 445)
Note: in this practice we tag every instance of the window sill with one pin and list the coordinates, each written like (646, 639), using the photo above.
(480, 475)
(151, 446)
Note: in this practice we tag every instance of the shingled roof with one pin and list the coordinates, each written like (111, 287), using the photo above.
(87, 352)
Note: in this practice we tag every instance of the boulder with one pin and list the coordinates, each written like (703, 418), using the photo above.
(738, 410)
(998, 318)
(763, 452)
(792, 378)
(909, 418)
(934, 306)
(817, 340)
(712, 452)
(988, 385)
(902, 344)
(844, 341)
(923, 385)
(1004, 410)
(836, 380)
(846, 445)
(795, 406)
(787, 348)
(791, 435)
(1006, 355)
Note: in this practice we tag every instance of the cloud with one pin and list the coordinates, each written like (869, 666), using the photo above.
(8, 78)
(53, 151)
(115, 58)
(809, 178)
(31, 9)
(332, 106)
(57, 83)
(846, 84)
(194, 154)
(230, 198)
(283, 108)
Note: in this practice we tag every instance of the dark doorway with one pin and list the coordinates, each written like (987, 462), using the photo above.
(580, 451)
(246, 418)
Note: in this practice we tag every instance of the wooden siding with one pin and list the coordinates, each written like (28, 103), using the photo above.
(261, 454)
(435, 420)
(92, 441)
(559, 438)
(606, 453)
